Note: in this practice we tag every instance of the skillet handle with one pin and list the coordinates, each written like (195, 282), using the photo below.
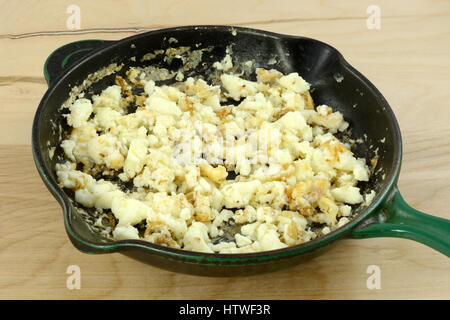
(400, 220)
(64, 57)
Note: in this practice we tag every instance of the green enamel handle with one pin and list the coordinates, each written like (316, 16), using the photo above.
(66, 56)
(398, 219)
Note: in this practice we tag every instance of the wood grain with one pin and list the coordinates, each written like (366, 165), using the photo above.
(408, 59)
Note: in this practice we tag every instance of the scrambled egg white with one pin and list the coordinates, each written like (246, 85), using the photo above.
(193, 162)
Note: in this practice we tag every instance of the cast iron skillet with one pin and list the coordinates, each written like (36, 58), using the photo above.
(334, 82)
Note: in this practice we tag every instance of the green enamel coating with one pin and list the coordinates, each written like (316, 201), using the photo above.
(400, 220)
(64, 62)
(46, 74)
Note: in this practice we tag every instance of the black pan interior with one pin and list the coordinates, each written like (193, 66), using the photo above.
(333, 81)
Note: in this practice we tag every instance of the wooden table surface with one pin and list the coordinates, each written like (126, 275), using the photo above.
(407, 58)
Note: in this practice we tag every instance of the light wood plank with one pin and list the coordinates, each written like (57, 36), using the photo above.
(51, 15)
